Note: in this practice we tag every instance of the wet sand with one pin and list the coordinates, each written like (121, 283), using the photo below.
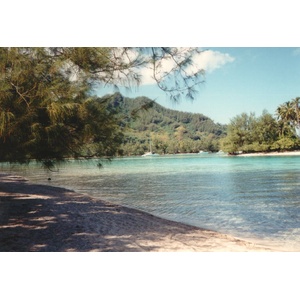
(44, 218)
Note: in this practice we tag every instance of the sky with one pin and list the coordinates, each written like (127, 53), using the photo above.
(237, 80)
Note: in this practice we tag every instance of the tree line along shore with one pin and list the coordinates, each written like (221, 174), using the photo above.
(170, 131)
(248, 133)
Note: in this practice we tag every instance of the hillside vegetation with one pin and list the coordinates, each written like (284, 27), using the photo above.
(169, 131)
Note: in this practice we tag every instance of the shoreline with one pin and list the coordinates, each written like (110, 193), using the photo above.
(284, 153)
(36, 217)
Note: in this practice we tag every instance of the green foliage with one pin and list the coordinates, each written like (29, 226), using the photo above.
(48, 115)
(288, 115)
(169, 130)
(286, 144)
(248, 133)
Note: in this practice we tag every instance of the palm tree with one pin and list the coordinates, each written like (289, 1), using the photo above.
(297, 125)
(288, 116)
(284, 114)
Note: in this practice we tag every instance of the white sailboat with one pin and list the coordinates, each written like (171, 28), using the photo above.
(150, 153)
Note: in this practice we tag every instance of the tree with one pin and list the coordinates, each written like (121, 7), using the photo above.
(239, 133)
(248, 133)
(288, 116)
(265, 131)
(47, 111)
(296, 120)
(174, 70)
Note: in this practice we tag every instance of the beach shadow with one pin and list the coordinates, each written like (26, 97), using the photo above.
(44, 218)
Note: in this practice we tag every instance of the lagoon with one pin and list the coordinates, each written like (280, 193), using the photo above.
(255, 198)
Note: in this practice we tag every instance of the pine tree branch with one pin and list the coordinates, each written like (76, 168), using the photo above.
(20, 94)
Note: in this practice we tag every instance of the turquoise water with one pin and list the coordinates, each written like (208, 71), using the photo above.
(248, 197)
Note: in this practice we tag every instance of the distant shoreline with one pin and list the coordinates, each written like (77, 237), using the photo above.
(285, 153)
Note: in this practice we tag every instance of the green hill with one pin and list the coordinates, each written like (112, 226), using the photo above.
(170, 131)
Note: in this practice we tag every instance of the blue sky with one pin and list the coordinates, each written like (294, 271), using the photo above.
(237, 80)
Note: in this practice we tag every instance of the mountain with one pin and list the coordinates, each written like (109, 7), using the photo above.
(170, 131)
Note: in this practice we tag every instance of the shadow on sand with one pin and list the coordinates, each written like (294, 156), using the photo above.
(44, 218)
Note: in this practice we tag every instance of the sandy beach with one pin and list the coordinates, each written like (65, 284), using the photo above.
(43, 218)
(284, 153)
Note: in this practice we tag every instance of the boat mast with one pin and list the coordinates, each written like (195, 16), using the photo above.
(150, 146)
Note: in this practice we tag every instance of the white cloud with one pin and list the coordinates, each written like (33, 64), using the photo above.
(147, 76)
(211, 60)
(207, 60)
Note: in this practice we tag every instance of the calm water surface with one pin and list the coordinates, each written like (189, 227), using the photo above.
(248, 197)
